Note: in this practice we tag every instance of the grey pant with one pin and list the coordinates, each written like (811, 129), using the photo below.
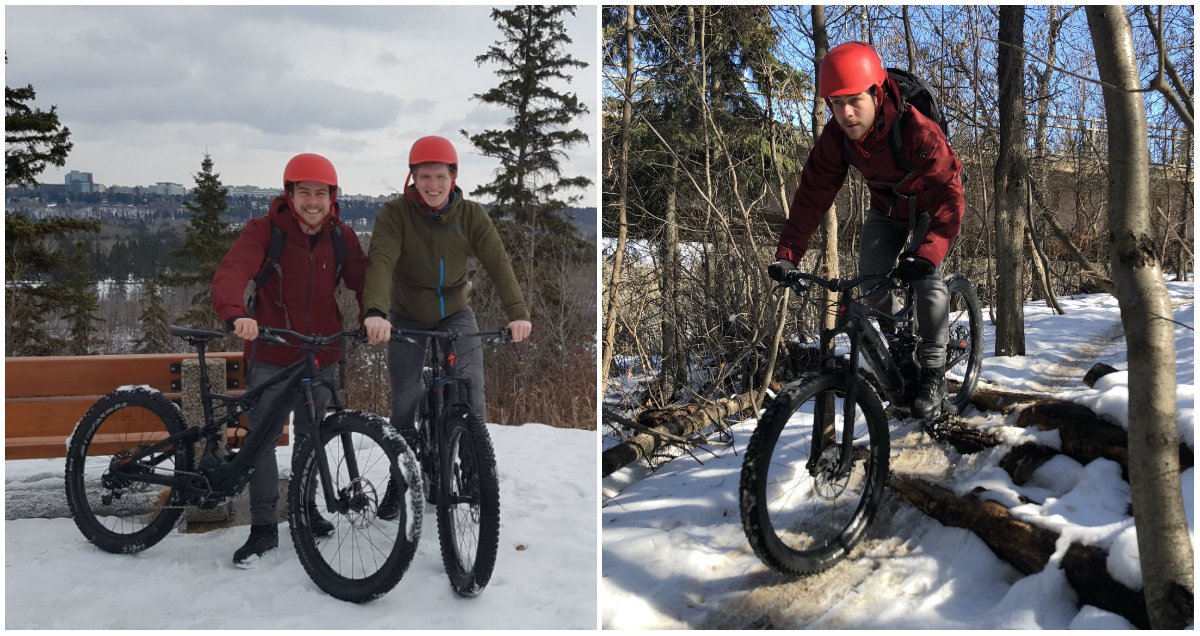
(883, 239)
(405, 362)
(264, 484)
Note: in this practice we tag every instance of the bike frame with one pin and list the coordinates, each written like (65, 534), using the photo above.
(448, 388)
(300, 375)
(853, 322)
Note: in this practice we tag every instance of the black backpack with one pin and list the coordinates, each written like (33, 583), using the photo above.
(275, 250)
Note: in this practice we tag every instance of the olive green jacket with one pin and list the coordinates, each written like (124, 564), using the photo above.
(418, 260)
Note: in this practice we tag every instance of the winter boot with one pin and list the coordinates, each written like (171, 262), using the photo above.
(928, 404)
(263, 538)
(321, 527)
(389, 507)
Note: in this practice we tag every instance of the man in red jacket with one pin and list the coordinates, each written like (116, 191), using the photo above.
(926, 201)
(299, 295)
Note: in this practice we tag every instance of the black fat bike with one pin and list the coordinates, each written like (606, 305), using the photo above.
(816, 465)
(457, 460)
(134, 465)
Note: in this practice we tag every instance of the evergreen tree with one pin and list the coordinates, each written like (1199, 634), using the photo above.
(156, 337)
(530, 148)
(40, 288)
(205, 243)
(528, 187)
(32, 137)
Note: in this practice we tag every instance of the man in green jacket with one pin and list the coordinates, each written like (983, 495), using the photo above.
(418, 277)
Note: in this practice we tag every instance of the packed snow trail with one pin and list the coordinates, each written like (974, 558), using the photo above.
(675, 555)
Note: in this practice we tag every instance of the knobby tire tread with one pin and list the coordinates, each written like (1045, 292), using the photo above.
(752, 487)
(81, 441)
(470, 583)
(305, 475)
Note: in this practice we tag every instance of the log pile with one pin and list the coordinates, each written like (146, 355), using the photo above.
(658, 428)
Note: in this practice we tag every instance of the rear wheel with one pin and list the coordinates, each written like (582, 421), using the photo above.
(110, 506)
(365, 555)
(964, 352)
(469, 505)
(802, 512)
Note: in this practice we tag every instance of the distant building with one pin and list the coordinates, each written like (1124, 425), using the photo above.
(254, 191)
(79, 182)
(165, 188)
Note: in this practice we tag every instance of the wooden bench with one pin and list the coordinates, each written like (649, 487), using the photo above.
(44, 397)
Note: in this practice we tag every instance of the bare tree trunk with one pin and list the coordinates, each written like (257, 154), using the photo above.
(1163, 543)
(610, 314)
(673, 360)
(1009, 180)
(908, 41)
(1041, 265)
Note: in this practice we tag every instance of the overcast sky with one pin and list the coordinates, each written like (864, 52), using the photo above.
(147, 90)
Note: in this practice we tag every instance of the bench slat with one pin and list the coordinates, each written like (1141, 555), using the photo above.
(45, 376)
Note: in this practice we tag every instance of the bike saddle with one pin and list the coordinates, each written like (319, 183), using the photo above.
(195, 334)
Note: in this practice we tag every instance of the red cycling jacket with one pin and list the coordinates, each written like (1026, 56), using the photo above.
(936, 185)
(302, 299)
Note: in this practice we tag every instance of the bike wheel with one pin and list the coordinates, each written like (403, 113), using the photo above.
(799, 513)
(964, 352)
(111, 509)
(365, 556)
(468, 510)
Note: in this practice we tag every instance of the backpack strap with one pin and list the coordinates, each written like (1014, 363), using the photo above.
(270, 265)
(339, 250)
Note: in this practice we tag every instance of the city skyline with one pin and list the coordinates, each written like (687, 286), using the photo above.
(150, 90)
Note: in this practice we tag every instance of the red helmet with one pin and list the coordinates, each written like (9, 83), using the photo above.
(432, 149)
(310, 167)
(849, 69)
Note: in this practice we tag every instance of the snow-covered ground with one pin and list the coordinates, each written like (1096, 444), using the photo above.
(675, 556)
(545, 577)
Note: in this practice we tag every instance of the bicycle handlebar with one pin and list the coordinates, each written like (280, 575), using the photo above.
(796, 279)
(405, 335)
(274, 335)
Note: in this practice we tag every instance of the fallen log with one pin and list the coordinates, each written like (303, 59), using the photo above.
(1086, 567)
(1025, 546)
(1085, 436)
(645, 443)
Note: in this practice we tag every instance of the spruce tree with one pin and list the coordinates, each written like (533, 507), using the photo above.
(529, 191)
(41, 287)
(32, 137)
(532, 145)
(156, 337)
(205, 243)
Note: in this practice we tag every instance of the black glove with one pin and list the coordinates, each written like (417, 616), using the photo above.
(780, 268)
(913, 268)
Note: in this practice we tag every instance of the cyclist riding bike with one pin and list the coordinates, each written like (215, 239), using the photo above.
(924, 200)
(418, 279)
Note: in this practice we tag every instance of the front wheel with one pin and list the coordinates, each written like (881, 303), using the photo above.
(803, 509)
(365, 556)
(964, 351)
(468, 510)
(110, 503)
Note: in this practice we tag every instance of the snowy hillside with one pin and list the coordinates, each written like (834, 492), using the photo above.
(545, 573)
(675, 556)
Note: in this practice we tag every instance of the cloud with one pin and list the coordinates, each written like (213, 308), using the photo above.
(145, 89)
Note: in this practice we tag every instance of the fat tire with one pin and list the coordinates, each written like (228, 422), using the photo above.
(165, 509)
(959, 287)
(752, 495)
(354, 529)
(467, 430)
